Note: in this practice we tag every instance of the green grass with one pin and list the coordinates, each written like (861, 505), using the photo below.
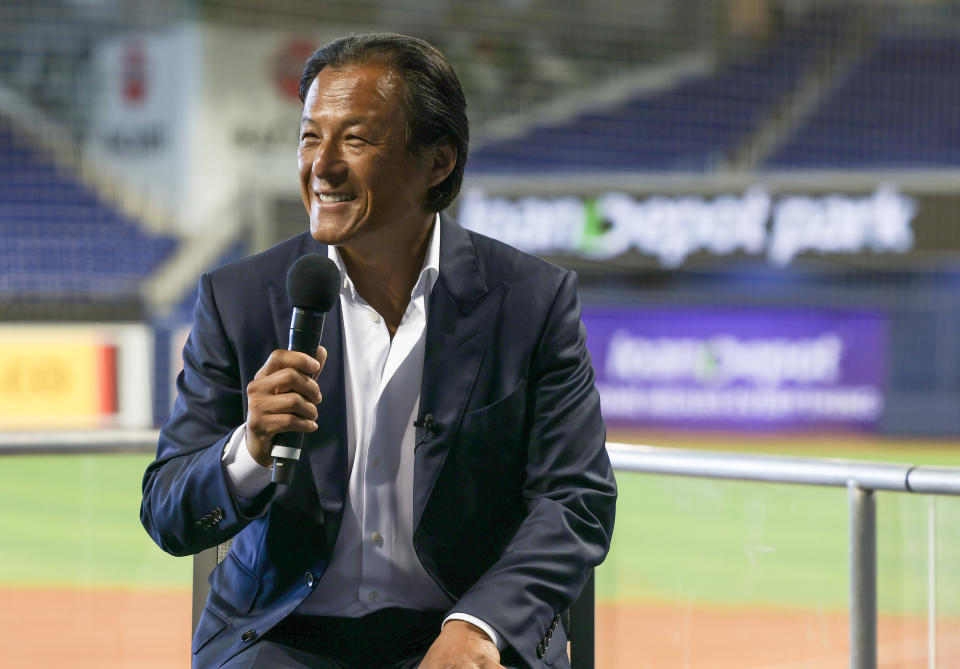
(747, 544)
(73, 521)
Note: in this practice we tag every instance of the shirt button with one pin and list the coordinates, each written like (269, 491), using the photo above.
(248, 635)
(373, 316)
(376, 462)
(372, 595)
(308, 579)
(377, 539)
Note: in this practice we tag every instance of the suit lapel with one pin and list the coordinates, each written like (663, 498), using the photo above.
(462, 315)
(327, 447)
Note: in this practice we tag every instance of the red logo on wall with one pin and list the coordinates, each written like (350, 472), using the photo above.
(134, 74)
(288, 66)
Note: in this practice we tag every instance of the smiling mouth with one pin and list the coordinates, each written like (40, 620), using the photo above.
(335, 197)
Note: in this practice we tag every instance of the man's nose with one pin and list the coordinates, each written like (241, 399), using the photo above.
(328, 160)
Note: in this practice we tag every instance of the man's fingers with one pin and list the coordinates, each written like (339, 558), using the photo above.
(284, 381)
(292, 403)
(271, 424)
(282, 398)
(301, 362)
(321, 358)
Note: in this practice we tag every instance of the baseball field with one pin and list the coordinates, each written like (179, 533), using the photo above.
(702, 573)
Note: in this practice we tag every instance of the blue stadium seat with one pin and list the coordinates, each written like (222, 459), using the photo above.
(60, 241)
(689, 127)
(896, 109)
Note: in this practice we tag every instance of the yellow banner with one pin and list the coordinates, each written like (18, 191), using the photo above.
(55, 378)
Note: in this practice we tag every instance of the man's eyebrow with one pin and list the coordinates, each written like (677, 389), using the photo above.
(352, 120)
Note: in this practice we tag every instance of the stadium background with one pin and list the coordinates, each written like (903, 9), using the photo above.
(759, 198)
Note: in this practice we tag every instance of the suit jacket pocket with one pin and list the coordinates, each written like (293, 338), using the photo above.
(234, 584)
(209, 625)
(499, 423)
(489, 455)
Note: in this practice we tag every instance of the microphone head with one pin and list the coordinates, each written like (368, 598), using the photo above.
(313, 282)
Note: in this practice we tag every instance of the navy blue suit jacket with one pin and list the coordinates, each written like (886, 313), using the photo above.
(513, 491)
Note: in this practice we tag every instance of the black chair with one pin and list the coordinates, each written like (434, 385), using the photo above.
(578, 621)
(580, 625)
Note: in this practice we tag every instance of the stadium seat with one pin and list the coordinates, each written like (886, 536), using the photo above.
(895, 109)
(689, 127)
(578, 621)
(62, 241)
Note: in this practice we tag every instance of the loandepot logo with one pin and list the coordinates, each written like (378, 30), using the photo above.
(730, 378)
(724, 359)
(672, 228)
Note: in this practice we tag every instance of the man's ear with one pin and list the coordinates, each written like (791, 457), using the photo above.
(443, 156)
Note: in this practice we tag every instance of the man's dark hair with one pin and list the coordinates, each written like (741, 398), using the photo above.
(432, 103)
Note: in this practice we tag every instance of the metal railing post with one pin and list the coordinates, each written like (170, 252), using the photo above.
(932, 582)
(863, 577)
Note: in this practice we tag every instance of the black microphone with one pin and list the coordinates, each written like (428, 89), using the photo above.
(426, 423)
(313, 285)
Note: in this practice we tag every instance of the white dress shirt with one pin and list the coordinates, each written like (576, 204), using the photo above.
(374, 564)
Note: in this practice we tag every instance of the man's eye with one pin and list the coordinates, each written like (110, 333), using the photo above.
(307, 135)
(355, 140)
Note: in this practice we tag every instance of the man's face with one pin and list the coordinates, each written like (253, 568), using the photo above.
(359, 182)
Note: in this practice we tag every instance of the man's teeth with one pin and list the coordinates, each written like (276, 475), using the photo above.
(336, 197)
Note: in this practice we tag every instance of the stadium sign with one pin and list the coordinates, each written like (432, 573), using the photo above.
(673, 228)
(739, 368)
(63, 376)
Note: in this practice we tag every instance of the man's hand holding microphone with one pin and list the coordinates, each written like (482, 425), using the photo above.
(282, 399)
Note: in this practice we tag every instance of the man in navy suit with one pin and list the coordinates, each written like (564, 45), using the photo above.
(454, 490)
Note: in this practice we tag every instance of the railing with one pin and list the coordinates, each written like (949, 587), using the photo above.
(860, 479)
(79, 441)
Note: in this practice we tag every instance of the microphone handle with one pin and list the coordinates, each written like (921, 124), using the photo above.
(306, 327)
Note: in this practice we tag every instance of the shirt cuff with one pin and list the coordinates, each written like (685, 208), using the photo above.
(473, 620)
(245, 476)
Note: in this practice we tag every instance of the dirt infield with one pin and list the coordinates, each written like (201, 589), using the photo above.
(94, 629)
(667, 636)
(114, 629)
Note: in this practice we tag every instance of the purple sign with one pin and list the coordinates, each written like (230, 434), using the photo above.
(739, 368)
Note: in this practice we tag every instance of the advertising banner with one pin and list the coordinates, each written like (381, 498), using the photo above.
(671, 231)
(739, 368)
(141, 118)
(74, 377)
(195, 117)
